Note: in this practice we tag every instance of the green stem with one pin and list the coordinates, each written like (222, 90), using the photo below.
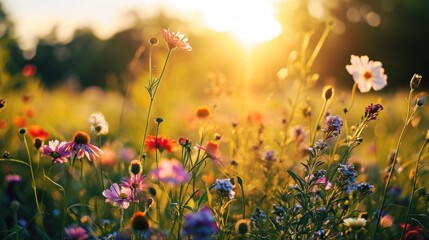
(101, 165)
(414, 188)
(353, 96)
(395, 157)
(313, 138)
(152, 98)
(33, 185)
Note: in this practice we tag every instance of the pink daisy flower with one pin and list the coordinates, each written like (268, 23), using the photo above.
(136, 185)
(57, 151)
(118, 196)
(176, 40)
(80, 146)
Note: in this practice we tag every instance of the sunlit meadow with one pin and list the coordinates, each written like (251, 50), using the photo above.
(213, 159)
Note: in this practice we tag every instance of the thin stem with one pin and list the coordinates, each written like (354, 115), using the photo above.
(353, 96)
(156, 144)
(313, 138)
(33, 185)
(413, 188)
(101, 164)
(152, 97)
(392, 167)
(318, 46)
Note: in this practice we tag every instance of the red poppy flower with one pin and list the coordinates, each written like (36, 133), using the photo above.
(37, 131)
(161, 143)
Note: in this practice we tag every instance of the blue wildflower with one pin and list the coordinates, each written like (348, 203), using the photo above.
(201, 225)
(224, 186)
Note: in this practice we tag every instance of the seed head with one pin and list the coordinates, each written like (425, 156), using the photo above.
(139, 221)
(415, 81)
(135, 167)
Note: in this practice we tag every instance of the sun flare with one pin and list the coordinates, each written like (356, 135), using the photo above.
(250, 22)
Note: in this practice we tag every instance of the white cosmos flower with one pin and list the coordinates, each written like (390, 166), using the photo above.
(366, 73)
(355, 223)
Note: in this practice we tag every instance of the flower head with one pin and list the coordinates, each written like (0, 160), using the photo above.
(80, 146)
(203, 112)
(120, 197)
(201, 225)
(242, 226)
(135, 167)
(139, 221)
(137, 185)
(57, 151)
(99, 125)
(367, 74)
(2, 103)
(176, 40)
(13, 178)
(37, 131)
(161, 143)
(76, 233)
(212, 151)
(355, 223)
(372, 111)
(171, 172)
(334, 125)
(224, 186)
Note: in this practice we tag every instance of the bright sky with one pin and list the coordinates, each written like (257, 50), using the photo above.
(35, 18)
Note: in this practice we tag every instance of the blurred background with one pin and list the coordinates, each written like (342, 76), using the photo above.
(84, 43)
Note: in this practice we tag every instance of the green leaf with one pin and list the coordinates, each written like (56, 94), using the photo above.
(14, 161)
(60, 188)
(297, 179)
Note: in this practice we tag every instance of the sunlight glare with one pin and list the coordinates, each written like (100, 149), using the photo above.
(250, 22)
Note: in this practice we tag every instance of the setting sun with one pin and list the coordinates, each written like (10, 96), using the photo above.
(250, 22)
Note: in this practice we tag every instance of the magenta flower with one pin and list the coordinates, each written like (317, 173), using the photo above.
(136, 185)
(80, 146)
(13, 178)
(76, 233)
(120, 197)
(57, 151)
(171, 172)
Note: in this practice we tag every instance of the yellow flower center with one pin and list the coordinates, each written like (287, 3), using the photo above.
(367, 75)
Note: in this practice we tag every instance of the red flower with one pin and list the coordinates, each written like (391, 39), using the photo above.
(2, 124)
(37, 131)
(415, 232)
(161, 143)
(28, 70)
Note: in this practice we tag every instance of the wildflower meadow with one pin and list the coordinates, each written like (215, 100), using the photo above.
(308, 161)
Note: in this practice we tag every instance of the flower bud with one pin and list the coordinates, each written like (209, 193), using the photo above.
(328, 92)
(415, 81)
(153, 40)
(159, 120)
(22, 131)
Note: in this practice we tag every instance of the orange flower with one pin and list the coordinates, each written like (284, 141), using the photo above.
(212, 151)
(161, 143)
(19, 121)
(255, 117)
(37, 131)
(203, 112)
(176, 39)
(28, 112)
(2, 124)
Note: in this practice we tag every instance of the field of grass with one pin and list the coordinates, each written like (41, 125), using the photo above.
(288, 159)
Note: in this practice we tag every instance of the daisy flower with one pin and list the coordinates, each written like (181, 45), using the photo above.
(80, 146)
(57, 151)
(367, 74)
(176, 40)
(118, 196)
(137, 185)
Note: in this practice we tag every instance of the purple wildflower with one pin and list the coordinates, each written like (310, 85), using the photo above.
(347, 177)
(171, 172)
(136, 185)
(80, 146)
(372, 111)
(201, 225)
(120, 197)
(364, 189)
(57, 151)
(224, 186)
(76, 233)
(333, 126)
